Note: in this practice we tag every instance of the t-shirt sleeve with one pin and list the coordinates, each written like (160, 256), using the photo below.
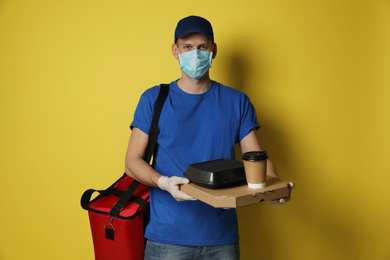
(144, 112)
(248, 118)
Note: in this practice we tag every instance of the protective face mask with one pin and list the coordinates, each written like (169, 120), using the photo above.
(195, 63)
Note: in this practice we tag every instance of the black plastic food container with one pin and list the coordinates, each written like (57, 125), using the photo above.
(216, 174)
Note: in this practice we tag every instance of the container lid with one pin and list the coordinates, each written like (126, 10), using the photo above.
(255, 156)
(215, 174)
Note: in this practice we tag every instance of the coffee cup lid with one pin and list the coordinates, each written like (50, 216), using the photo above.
(255, 156)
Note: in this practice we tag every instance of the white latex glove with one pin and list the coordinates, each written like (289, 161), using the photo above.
(281, 201)
(172, 186)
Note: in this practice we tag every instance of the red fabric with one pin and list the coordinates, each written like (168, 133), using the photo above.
(106, 203)
(129, 242)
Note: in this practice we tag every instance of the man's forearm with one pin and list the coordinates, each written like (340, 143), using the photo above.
(271, 170)
(141, 171)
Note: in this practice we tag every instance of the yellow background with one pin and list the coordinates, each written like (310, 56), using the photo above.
(71, 73)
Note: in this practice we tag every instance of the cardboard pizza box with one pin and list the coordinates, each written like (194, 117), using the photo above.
(238, 196)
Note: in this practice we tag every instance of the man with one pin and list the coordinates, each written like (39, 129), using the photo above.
(201, 120)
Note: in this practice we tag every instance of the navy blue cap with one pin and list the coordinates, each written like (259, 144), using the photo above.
(194, 24)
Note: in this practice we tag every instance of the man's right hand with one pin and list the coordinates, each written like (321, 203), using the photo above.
(172, 186)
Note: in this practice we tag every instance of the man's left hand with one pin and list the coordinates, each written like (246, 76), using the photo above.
(281, 201)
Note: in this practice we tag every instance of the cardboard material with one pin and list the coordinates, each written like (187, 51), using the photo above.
(237, 196)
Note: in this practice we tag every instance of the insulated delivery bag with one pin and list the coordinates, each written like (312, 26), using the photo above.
(119, 214)
(118, 236)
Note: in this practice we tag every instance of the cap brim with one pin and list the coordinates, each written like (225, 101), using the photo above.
(181, 35)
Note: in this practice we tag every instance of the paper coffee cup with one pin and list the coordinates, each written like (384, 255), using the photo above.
(255, 165)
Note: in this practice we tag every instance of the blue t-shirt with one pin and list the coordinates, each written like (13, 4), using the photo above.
(193, 128)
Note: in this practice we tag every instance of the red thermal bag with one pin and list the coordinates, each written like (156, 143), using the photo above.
(118, 215)
(120, 237)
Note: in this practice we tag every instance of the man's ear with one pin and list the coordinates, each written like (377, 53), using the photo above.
(214, 50)
(175, 52)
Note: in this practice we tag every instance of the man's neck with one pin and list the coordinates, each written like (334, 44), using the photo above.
(194, 86)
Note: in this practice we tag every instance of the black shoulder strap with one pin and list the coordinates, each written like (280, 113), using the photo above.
(153, 134)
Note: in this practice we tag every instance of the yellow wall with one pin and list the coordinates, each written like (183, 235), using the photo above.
(71, 73)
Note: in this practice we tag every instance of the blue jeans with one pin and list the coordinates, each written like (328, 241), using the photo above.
(158, 251)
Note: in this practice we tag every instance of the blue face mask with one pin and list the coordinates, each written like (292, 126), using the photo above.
(195, 63)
